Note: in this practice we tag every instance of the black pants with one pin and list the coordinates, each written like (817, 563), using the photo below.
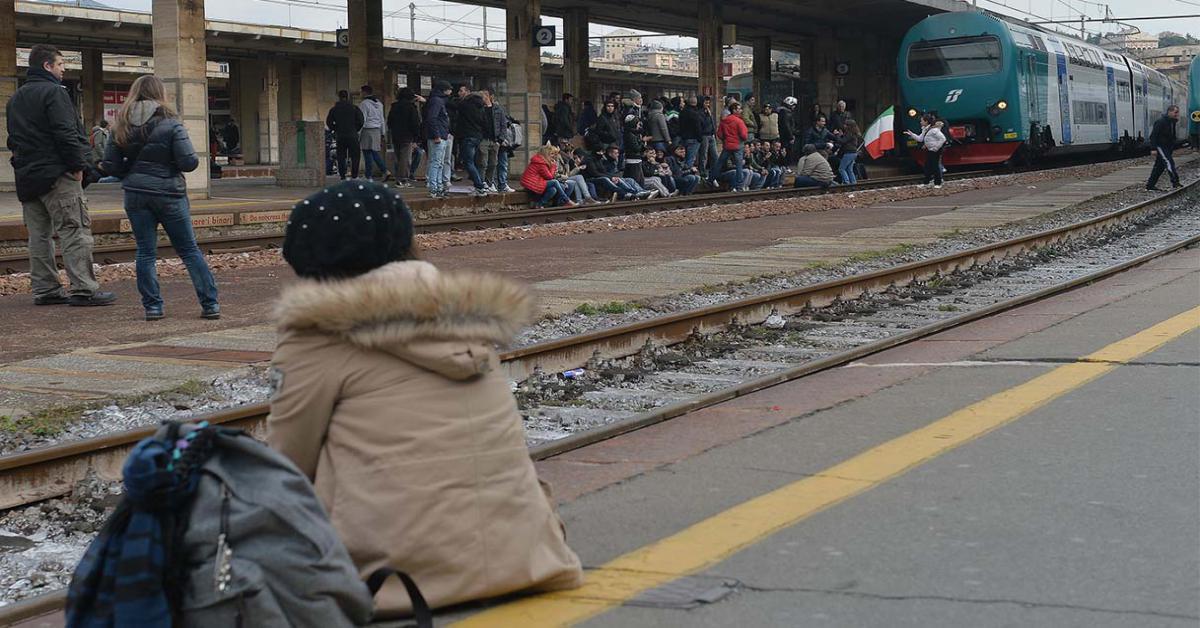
(933, 167)
(348, 144)
(1163, 161)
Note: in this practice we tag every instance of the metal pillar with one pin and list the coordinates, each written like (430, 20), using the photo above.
(365, 22)
(710, 52)
(523, 71)
(93, 88)
(575, 54)
(761, 70)
(268, 111)
(8, 86)
(180, 60)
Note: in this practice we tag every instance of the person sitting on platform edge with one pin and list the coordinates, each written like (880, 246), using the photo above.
(387, 393)
(813, 170)
(539, 179)
(49, 161)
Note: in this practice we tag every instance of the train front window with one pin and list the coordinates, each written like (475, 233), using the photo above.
(967, 56)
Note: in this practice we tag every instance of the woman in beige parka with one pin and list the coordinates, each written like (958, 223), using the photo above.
(388, 396)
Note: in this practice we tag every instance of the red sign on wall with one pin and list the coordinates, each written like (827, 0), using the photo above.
(112, 97)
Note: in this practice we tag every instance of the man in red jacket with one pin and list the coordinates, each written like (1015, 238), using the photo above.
(731, 132)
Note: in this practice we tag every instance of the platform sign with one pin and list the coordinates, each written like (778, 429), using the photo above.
(198, 221)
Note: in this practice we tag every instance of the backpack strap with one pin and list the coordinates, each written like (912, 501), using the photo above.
(420, 607)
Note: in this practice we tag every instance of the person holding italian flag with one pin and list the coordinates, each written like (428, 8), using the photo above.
(881, 136)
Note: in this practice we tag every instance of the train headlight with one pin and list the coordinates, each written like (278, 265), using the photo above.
(912, 113)
(1002, 105)
(997, 108)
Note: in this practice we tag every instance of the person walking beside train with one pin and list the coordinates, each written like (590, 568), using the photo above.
(149, 152)
(49, 160)
(388, 394)
(932, 140)
(1162, 141)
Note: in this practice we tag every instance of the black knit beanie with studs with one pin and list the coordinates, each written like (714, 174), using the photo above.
(346, 230)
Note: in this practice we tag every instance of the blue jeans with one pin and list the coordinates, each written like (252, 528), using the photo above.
(738, 160)
(502, 157)
(692, 147)
(435, 178)
(846, 168)
(555, 194)
(146, 212)
(803, 181)
(774, 176)
(373, 157)
(687, 183)
(470, 149)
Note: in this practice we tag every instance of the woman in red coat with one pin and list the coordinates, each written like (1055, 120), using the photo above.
(732, 132)
(539, 180)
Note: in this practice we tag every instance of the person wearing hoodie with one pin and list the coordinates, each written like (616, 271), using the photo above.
(635, 145)
(471, 122)
(606, 130)
(437, 134)
(370, 138)
(404, 127)
(150, 152)
(345, 120)
(631, 105)
(657, 127)
(389, 396)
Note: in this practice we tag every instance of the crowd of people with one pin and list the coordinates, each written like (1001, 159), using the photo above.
(624, 148)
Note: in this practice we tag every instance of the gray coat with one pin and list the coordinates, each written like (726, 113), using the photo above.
(656, 126)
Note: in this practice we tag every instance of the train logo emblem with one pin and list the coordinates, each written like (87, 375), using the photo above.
(952, 95)
(1196, 116)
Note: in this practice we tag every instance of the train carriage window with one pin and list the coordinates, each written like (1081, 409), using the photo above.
(967, 56)
(1123, 91)
(1086, 112)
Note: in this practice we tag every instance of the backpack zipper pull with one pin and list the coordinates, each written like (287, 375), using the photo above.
(223, 571)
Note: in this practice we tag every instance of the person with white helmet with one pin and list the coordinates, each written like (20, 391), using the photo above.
(787, 126)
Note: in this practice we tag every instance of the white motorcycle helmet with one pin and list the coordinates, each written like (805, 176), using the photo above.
(790, 101)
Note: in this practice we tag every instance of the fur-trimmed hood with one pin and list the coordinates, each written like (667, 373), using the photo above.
(445, 322)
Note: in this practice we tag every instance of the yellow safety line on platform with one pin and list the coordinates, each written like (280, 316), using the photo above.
(708, 542)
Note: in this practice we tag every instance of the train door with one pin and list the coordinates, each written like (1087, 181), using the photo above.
(1112, 102)
(1064, 96)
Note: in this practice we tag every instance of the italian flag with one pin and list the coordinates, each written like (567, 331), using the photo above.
(881, 135)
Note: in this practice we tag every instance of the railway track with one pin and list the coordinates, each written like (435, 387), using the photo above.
(125, 252)
(52, 471)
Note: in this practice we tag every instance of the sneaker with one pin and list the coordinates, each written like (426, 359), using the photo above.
(93, 299)
(479, 192)
(455, 177)
(154, 314)
(211, 313)
(491, 188)
(1150, 189)
(937, 186)
(615, 197)
(1176, 184)
(435, 194)
(652, 194)
(507, 188)
(51, 299)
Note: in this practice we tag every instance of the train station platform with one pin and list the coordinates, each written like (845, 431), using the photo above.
(64, 357)
(1035, 468)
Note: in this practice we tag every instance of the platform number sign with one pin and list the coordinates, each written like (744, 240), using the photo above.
(544, 36)
(952, 95)
(342, 39)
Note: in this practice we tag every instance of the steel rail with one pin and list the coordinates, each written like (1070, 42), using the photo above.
(252, 417)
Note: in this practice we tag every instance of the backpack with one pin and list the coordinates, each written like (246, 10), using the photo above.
(254, 547)
(517, 135)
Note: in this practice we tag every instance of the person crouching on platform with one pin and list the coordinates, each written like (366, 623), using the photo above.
(387, 393)
(149, 151)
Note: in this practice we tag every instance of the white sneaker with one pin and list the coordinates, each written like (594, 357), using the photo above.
(491, 187)
(653, 194)
(508, 188)
(479, 192)
(937, 187)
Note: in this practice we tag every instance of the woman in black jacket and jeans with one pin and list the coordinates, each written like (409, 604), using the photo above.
(149, 152)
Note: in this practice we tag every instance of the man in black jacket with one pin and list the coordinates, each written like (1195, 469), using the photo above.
(404, 127)
(470, 135)
(564, 119)
(1162, 140)
(345, 120)
(49, 150)
(689, 130)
